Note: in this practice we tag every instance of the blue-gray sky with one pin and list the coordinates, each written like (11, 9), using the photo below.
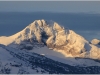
(52, 6)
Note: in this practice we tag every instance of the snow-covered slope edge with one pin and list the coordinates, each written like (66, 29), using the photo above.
(55, 37)
(12, 65)
(24, 62)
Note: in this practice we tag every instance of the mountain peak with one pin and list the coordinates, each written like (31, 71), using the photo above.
(45, 23)
(53, 35)
(42, 22)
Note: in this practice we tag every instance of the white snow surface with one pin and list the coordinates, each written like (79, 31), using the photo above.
(57, 38)
(7, 60)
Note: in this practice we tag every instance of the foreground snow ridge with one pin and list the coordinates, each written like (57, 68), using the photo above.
(55, 37)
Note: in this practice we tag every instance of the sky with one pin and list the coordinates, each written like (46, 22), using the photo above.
(50, 6)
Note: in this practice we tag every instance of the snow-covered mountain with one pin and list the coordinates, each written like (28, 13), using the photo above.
(55, 37)
(54, 42)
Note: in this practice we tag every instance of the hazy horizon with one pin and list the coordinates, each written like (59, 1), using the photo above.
(50, 6)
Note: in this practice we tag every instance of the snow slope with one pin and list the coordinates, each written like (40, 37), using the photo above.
(61, 58)
(25, 62)
(14, 65)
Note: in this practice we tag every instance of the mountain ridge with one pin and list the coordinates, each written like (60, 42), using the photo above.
(55, 37)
